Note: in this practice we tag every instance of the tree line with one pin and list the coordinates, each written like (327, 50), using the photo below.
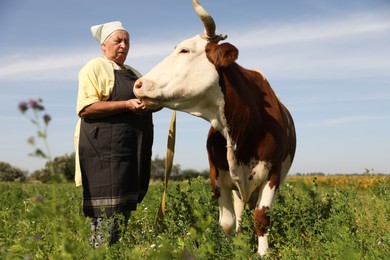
(64, 168)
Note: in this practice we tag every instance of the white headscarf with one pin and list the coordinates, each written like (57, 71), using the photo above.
(102, 31)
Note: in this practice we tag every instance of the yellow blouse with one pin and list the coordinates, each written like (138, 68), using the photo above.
(96, 81)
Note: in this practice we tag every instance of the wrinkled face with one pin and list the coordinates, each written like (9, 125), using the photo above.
(117, 46)
(186, 80)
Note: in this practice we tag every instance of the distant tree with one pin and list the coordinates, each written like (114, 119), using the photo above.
(11, 173)
(42, 175)
(191, 174)
(65, 170)
(205, 173)
(158, 169)
(64, 167)
(314, 174)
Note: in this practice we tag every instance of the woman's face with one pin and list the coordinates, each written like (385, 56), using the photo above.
(117, 46)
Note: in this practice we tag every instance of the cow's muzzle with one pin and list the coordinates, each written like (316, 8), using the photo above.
(140, 90)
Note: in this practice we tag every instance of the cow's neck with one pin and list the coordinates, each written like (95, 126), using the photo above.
(243, 99)
(211, 108)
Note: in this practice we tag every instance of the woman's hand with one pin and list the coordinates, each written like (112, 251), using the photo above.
(134, 105)
(108, 108)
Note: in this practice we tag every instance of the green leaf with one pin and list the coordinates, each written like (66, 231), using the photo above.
(41, 134)
(39, 153)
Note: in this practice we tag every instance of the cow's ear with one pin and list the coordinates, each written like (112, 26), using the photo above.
(229, 54)
(221, 55)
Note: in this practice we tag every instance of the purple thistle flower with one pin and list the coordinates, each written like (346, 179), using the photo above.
(46, 119)
(36, 104)
(23, 107)
(38, 236)
(33, 103)
(39, 198)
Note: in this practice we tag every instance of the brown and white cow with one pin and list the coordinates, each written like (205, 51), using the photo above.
(251, 142)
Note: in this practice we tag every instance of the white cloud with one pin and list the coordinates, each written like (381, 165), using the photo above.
(344, 120)
(357, 24)
(33, 66)
(320, 49)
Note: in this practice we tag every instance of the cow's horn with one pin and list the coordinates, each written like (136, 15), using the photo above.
(208, 22)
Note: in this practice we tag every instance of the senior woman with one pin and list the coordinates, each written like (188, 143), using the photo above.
(113, 137)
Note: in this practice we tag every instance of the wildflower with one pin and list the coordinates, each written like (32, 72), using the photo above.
(46, 119)
(23, 107)
(37, 236)
(41, 123)
(36, 104)
(31, 140)
(39, 198)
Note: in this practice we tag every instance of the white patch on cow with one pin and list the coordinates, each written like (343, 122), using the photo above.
(265, 199)
(249, 177)
(227, 218)
(262, 244)
(246, 180)
(238, 209)
(266, 196)
(231, 161)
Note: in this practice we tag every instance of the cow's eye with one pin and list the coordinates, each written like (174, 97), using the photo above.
(184, 50)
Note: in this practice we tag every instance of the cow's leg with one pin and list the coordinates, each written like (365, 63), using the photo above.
(262, 212)
(227, 217)
(238, 209)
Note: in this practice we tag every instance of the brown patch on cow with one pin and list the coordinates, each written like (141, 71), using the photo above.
(262, 220)
(216, 148)
(253, 199)
(213, 177)
(274, 180)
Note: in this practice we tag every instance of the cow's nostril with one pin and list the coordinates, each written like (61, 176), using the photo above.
(138, 84)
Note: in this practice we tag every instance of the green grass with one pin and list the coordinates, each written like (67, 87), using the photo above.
(335, 217)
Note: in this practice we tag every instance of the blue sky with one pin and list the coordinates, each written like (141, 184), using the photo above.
(328, 60)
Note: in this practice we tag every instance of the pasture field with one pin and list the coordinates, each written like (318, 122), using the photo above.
(324, 217)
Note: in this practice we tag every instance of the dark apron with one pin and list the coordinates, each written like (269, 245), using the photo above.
(115, 155)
